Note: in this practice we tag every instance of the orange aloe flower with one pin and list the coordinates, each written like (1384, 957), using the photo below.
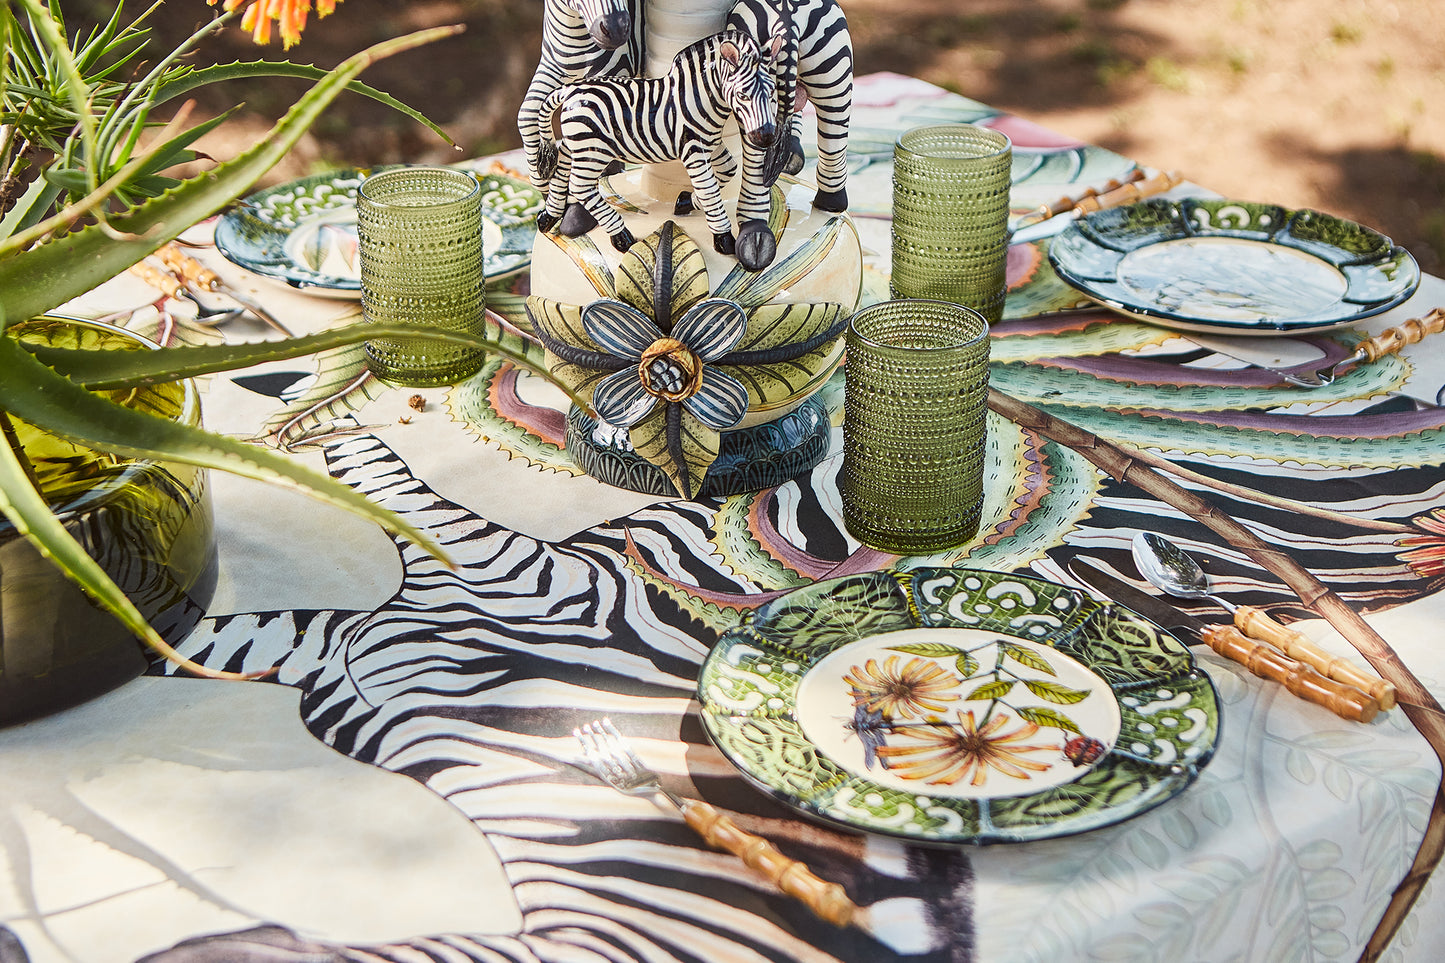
(921, 685)
(943, 755)
(290, 16)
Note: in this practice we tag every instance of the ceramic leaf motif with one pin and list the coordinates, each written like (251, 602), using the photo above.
(957, 705)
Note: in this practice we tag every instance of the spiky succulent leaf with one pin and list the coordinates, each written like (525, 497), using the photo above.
(39, 279)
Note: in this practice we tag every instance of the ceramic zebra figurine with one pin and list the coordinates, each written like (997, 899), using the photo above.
(818, 56)
(676, 117)
(580, 39)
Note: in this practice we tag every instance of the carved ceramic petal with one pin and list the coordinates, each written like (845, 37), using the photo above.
(620, 399)
(669, 256)
(619, 328)
(711, 328)
(721, 402)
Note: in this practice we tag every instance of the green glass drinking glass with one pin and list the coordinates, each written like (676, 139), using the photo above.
(950, 216)
(420, 234)
(914, 425)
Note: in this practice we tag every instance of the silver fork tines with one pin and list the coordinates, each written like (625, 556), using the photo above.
(612, 758)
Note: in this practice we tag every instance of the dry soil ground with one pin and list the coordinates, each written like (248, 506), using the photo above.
(1324, 103)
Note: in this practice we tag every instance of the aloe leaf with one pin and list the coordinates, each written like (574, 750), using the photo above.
(56, 271)
(33, 518)
(174, 87)
(38, 395)
(100, 370)
(31, 206)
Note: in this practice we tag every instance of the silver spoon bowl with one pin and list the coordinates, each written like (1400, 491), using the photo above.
(1169, 568)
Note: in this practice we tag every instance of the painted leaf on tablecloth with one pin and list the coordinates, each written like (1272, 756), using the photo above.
(678, 443)
(343, 384)
(662, 276)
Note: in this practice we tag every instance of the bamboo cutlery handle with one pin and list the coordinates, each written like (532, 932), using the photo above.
(1393, 339)
(828, 900)
(1296, 645)
(1298, 677)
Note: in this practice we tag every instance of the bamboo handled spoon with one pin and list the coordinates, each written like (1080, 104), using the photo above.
(1170, 568)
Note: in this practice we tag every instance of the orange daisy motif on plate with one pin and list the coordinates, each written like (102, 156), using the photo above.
(921, 685)
(944, 755)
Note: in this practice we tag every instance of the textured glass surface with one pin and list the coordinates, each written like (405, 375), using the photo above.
(420, 233)
(914, 425)
(950, 216)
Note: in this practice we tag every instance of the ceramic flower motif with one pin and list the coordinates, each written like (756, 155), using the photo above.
(675, 364)
(669, 368)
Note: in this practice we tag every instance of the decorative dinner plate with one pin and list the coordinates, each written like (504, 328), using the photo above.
(303, 233)
(1231, 266)
(948, 705)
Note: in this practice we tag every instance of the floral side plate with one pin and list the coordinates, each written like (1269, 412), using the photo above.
(1234, 267)
(948, 706)
(303, 233)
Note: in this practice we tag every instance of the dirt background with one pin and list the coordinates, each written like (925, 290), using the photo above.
(1330, 104)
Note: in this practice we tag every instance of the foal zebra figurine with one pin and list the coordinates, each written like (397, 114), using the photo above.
(818, 56)
(580, 39)
(676, 117)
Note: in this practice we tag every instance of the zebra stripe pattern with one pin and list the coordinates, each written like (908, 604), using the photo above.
(580, 39)
(471, 681)
(530, 638)
(676, 117)
(819, 58)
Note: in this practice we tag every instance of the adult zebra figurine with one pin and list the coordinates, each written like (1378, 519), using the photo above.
(679, 116)
(818, 56)
(580, 39)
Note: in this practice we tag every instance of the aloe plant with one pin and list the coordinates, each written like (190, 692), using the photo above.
(47, 261)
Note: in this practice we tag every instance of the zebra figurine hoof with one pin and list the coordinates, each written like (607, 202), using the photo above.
(795, 155)
(577, 221)
(623, 240)
(545, 222)
(724, 243)
(834, 202)
(756, 245)
(683, 206)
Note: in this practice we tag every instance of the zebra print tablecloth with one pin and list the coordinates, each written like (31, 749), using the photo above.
(469, 835)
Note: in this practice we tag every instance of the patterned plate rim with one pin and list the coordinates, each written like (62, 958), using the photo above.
(902, 600)
(258, 246)
(1151, 313)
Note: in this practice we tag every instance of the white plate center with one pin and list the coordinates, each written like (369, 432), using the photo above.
(1231, 279)
(961, 713)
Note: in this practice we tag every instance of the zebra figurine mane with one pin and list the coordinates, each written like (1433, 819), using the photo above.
(679, 116)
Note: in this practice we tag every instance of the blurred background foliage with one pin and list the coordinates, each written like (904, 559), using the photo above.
(1291, 101)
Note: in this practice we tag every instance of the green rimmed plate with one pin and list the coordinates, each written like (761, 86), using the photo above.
(303, 233)
(1233, 267)
(950, 706)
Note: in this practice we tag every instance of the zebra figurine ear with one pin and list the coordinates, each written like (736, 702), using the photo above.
(729, 52)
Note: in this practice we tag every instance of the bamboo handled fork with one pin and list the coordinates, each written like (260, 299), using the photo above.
(612, 759)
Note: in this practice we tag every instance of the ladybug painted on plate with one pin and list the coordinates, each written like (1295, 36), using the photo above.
(1083, 750)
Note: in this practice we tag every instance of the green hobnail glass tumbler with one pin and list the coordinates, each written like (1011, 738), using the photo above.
(914, 425)
(950, 216)
(420, 234)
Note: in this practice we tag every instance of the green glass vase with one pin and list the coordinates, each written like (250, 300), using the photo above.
(149, 525)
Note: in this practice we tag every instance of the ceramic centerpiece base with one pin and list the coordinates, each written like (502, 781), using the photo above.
(748, 459)
(148, 524)
(698, 368)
